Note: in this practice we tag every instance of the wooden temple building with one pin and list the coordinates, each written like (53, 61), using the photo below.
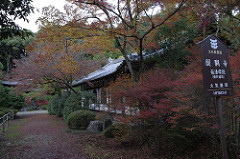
(98, 81)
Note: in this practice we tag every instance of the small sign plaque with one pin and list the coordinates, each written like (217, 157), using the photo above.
(217, 76)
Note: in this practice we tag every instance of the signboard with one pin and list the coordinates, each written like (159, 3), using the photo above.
(217, 76)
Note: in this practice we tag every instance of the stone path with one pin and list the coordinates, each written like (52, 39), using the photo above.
(40, 136)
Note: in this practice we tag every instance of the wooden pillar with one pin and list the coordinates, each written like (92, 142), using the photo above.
(222, 129)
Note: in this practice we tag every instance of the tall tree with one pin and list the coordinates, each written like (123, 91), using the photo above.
(49, 64)
(57, 27)
(129, 21)
(59, 55)
(11, 10)
(228, 22)
(14, 48)
(175, 38)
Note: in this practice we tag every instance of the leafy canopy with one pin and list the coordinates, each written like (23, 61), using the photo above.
(11, 10)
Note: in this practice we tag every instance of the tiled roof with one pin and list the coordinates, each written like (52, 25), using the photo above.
(113, 65)
(108, 69)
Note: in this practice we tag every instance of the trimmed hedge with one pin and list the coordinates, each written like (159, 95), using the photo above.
(64, 105)
(56, 105)
(77, 102)
(80, 119)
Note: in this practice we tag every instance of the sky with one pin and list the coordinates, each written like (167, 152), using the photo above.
(38, 5)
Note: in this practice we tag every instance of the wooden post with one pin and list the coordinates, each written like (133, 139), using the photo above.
(222, 129)
(12, 115)
(8, 118)
(3, 122)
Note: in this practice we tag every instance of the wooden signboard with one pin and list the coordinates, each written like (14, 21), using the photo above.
(217, 76)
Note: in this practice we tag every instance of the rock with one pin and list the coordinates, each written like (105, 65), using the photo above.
(107, 123)
(95, 125)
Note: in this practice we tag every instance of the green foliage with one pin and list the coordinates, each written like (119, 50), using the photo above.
(77, 102)
(80, 119)
(38, 95)
(113, 55)
(16, 102)
(14, 48)
(124, 134)
(4, 111)
(56, 105)
(4, 96)
(11, 10)
(64, 105)
(229, 29)
(180, 140)
(8, 99)
(174, 40)
(109, 132)
(48, 97)
(1, 68)
(44, 107)
(49, 108)
(175, 58)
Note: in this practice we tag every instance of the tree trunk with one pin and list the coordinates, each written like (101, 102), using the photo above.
(141, 60)
(124, 53)
(8, 65)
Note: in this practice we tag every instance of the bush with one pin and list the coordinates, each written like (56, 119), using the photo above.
(124, 134)
(109, 132)
(73, 103)
(80, 119)
(56, 105)
(49, 108)
(4, 111)
(44, 107)
(10, 99)
(16, 102)
(77, 102)
(4, 96)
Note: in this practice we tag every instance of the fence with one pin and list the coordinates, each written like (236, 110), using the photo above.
(6, 119)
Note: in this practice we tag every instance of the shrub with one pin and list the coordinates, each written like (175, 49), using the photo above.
(3, 96)
(4, 111)
(124, 134)
(109, 132)
(49, 108)
(80, 119)
(72, 104)
(56, 105)
(10, 99)
(77, 102)
(44, 107)
(16, 102)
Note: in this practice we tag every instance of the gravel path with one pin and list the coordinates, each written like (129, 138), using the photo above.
(40, 136)
(32, 112)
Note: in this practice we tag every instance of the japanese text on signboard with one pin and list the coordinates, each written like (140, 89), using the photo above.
(216, 71)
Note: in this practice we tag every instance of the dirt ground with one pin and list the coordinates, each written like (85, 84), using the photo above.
(43, 136)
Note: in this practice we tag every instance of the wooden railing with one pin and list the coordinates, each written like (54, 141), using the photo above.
(5, 119)
(105, 108)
